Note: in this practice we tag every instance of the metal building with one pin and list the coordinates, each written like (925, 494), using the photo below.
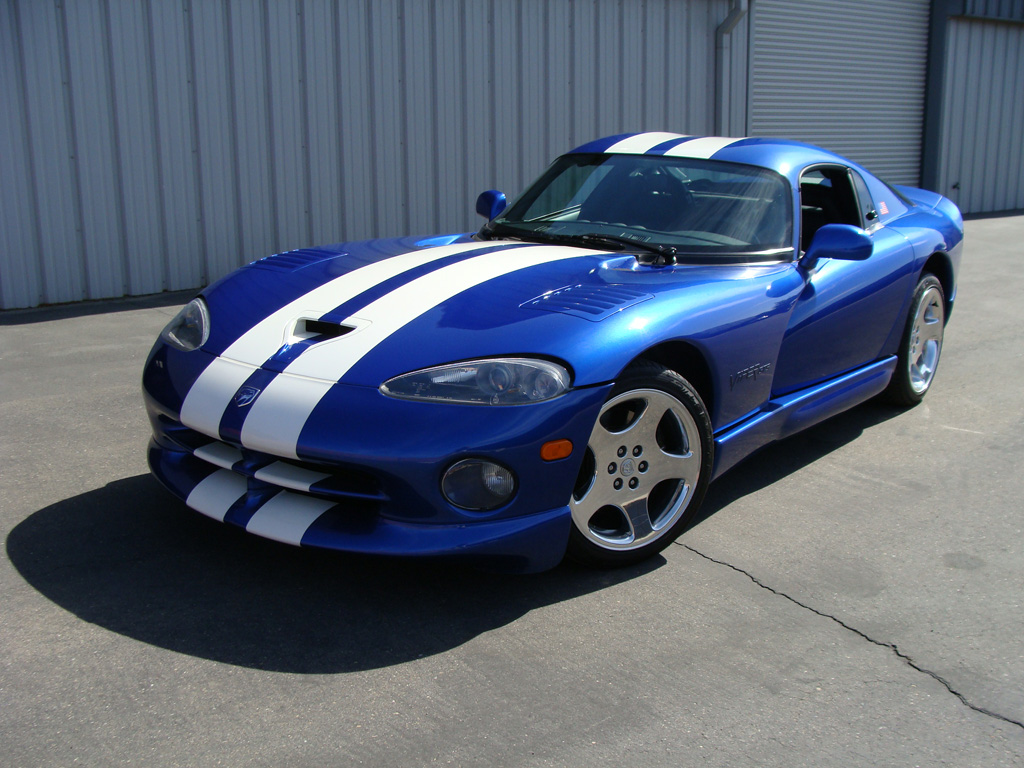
(156, 145)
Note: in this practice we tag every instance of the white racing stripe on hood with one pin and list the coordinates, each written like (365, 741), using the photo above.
(277, 417)
(645, 142)
(261, 341)
(211, 393)
(702, 148)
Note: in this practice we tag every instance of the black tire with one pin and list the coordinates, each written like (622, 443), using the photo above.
(645, 470)
(921, 344)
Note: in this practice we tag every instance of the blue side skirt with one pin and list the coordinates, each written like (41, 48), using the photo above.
(789, 414)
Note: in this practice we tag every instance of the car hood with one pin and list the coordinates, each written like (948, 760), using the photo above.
(360, 313)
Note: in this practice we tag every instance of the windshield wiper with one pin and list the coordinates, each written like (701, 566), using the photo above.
(666, 254)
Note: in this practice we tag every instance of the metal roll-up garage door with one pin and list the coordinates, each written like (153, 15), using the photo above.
(982, 161)
(847, 76)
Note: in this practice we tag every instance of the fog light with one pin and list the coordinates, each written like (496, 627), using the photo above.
(478, 485)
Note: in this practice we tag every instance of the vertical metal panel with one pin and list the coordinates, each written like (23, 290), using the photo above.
(654, 53)
(451, 196)
(387, 68)
(20, 277)
(506, 92)
(216, 158)
(288, 133)
(583, 85)
(537, 79)
(250, 94)
(357, 102)
(96, 147)
(135, 134)
(54, 187)
(178, 237)
(477, 109)
(158, 144)
(698, 74)
(323, 139)
(847, 76)
(982, 165)
(419, 131)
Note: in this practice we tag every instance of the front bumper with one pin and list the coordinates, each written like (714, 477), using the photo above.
(369, 474)
(522, 544)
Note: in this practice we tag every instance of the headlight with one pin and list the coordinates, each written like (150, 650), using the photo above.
(503, 381)
(190, 328)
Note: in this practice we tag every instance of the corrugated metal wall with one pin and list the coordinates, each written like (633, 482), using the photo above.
(847, 76)
(995, 9)
(150, 145)
(982, 167)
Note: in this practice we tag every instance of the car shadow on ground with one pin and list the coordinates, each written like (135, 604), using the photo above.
(792, 454)
(130, 558)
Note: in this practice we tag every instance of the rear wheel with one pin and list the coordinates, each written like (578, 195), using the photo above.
(921, 345)
(646, 467)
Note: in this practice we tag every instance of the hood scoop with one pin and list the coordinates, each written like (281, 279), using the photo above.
(591, 302)
(289, 261)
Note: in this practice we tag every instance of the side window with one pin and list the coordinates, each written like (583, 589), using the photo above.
(868, 212)
(826, 197)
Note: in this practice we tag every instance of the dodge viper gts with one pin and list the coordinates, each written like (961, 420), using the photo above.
(569, 379)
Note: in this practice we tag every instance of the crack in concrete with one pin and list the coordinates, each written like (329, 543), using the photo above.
(891, 646)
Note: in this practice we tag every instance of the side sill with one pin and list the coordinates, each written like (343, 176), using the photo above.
(797, 411)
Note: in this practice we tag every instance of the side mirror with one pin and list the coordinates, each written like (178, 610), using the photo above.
(838, 241)
(491, 203)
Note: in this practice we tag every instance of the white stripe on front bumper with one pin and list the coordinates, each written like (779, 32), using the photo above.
(286, 517)
(290, 476)
(210, 394)
(219, 455)
(215, 495)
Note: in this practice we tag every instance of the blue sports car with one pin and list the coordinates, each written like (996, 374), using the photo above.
(570, 378)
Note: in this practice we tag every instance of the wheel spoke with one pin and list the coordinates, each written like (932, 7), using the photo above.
(931, 330)
(639, 517)
(667, 466)
(644, 429)
(600, 494)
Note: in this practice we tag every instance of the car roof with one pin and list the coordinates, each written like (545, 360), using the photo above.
(781, 155)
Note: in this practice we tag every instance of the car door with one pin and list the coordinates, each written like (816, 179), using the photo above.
(847, 309)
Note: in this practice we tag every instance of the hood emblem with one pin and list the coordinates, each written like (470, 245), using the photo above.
(245, 396)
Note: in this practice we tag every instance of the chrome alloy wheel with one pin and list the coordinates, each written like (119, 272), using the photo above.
(926, 340)
(639, 471)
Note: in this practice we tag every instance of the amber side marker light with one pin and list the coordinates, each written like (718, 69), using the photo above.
(555, 450)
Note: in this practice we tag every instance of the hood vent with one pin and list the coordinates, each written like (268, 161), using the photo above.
(591, 302)
(320, 330)
(289, 261)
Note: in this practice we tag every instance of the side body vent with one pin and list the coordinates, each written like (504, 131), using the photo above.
(591, 302)
(289, 261)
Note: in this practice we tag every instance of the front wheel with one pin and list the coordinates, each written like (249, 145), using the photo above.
(921, 344)
(646, 466)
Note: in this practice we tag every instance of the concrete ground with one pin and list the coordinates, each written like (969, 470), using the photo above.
(853, 595)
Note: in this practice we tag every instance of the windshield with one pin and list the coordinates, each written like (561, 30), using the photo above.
(697, 209)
